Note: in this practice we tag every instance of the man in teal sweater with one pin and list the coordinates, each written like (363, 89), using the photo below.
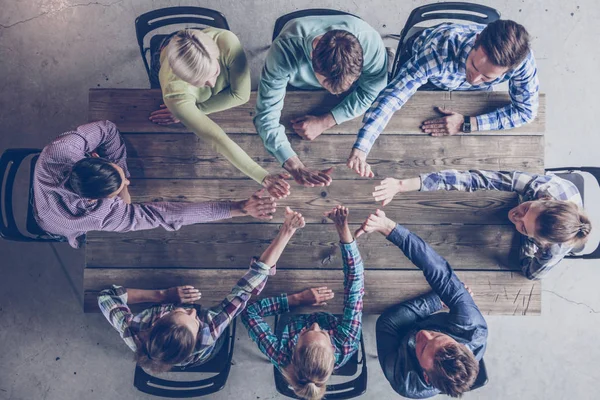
(331, 52)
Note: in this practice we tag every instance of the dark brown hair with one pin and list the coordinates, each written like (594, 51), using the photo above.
(338, 56)
(562, 222)
(454, 370)
(505, 42)
(165, 345)
(94, 178)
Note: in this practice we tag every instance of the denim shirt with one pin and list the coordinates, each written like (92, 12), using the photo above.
(464, 322)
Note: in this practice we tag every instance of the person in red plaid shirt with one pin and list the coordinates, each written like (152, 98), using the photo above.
(310, 347)
(175, 332)
(81, 184)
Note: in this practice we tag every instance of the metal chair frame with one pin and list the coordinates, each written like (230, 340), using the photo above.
(346, 390)
(571, 174)
(10, 161)
(220, 364)
(152, 20)
(310, 12)
(448, 10)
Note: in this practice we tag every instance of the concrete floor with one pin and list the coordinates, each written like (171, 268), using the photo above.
(53, 51)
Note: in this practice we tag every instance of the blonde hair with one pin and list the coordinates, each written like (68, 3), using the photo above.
(562, 222)
(309, 370)
(192, 55)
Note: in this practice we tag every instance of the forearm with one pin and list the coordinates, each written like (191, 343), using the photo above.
(470, 181)
(145, 296)
(271, 255)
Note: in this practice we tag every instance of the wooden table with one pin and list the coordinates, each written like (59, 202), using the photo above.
(470, 230)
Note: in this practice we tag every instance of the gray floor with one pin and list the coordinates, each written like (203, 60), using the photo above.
(53, 51)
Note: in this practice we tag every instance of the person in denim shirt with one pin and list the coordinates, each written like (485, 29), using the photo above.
(422, 353)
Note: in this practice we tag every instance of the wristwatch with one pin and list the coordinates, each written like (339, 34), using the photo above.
(466, 128)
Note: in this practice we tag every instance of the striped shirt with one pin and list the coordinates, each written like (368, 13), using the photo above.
(213, 321)
(62, 212)
(535, 260)
(344, 332)
(439, 55)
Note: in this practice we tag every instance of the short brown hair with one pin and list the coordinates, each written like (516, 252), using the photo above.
(166, 345)
(562, 222)
(338, 56)
(310, 368)
(454, 370)
(505, 42)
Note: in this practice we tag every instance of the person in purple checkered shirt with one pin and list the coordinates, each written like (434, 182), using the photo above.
(309, 347)
(81, 182)
(458, 57)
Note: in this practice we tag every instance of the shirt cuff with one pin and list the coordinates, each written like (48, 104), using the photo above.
(283, 301)
(484, 123)
(398, 234)
(363, 145)
(284, 153)
(261, 267)
(340, 115)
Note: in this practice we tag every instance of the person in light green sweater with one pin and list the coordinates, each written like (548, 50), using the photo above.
(202, 72)
(338, 53)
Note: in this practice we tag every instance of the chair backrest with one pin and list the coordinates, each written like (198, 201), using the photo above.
(572, 174)
(339, 391)
(155, 19)
(442, 11)
(284, 19)
(482, 377)
(220, 364)
(10, 161)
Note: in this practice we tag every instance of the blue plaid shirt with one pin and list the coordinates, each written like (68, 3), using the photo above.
(439, 56)
(535, 260)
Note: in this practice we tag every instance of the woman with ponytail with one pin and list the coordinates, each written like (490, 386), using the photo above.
(309, 347)
(549, 216)
(203, 72)
(175, 332)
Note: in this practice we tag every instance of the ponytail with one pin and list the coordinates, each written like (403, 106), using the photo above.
(309, 370)
(562, 222)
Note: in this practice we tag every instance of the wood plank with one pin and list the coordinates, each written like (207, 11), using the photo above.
(186, 156)
(130, 108)
(440, 207)
(496, 292)
(472, 247)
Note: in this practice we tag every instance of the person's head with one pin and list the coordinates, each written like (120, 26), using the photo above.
(97, 178)
(337, 59)
(500, 47)
(551, 221)
(194, 57)
(312, 363)
(447, 365)
(170, 341)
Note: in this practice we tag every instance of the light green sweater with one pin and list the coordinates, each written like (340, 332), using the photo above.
(289, 62)
(192, 104)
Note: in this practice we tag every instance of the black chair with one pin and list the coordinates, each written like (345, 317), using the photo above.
(449, 10)
(152, 20)
(573, 175)
(220, 365)
(10, 161)
(346, 390)
(311, 12)
(482, 377)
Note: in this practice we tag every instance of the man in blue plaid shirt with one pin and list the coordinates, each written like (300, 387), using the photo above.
(458, 57)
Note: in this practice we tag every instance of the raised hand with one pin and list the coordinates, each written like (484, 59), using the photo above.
(357, 161)
(181, 294)
(163, 116)
(377, 222)
(313, 297)
(257, 206)
(293, 220)
(276, 185)
(339, 216)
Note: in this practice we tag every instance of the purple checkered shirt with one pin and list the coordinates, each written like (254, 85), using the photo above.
(62, 212)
